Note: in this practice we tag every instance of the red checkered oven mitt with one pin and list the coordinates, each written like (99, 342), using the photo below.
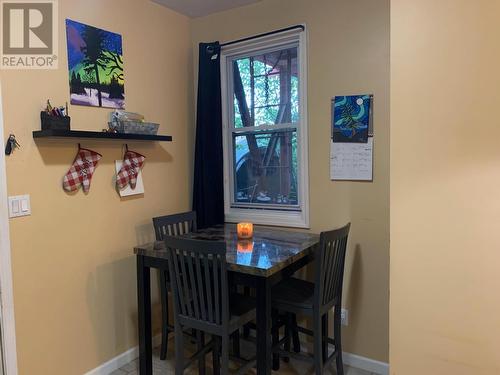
(132, 163)
(80, 173)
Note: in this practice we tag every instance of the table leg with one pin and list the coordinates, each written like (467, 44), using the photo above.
(264, 347)
(144, 306)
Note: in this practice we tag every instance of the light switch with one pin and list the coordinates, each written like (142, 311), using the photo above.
(24, 205)
(19, 205)
(15, 206)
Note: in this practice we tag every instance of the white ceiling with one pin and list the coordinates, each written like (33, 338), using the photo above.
(199, 8)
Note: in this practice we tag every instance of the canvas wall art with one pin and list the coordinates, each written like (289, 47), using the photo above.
(351, 118)
(95, 62)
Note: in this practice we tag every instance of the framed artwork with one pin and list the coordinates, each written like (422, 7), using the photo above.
(351, 116)
(95, 64)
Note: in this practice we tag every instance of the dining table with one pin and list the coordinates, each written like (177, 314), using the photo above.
(261, 262)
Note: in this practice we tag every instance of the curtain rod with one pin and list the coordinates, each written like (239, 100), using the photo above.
(265, 34)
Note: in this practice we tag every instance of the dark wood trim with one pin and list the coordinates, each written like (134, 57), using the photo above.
(53, 133)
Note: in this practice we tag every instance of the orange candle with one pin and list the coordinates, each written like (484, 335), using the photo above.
(245, 230)
(245, 246)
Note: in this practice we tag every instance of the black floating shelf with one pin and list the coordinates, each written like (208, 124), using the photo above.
(98, 135)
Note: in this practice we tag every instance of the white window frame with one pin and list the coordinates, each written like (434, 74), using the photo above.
(285, 217)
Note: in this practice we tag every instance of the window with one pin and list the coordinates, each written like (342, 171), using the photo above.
(265, 130)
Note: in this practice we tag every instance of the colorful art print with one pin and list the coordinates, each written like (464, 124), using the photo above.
(351, 118)
(95, 62)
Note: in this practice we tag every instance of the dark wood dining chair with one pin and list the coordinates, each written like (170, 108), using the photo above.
(170, 225)
(295, 296)
(202, 301)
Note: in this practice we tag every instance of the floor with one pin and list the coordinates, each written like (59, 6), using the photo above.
(168, 367)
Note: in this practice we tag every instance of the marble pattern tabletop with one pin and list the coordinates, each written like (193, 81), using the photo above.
(269, 251)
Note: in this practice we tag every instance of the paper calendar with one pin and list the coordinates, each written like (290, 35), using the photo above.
(351, 161)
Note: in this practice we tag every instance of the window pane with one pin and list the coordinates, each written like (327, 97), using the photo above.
(266, 115)
(295, 99)
(266, 89)
(265, 168)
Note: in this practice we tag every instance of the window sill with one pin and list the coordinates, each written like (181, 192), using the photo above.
(268, 217)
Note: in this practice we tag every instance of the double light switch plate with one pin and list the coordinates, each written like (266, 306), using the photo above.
(19, 205)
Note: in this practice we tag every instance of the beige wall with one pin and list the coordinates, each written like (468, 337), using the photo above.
(73, 269)
(348, 53)
(445, 163)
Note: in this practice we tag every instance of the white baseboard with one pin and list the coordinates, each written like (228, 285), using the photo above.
(353, 360)
(120, 360)
(367, 364)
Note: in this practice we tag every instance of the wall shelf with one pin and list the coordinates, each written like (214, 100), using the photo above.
(99, 135)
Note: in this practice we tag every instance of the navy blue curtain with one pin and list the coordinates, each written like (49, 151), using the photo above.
(208, 189)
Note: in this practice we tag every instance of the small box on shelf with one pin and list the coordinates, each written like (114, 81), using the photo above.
(50, 122)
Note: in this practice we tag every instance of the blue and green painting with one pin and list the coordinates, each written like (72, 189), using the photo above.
(95, 62)
(351, 118)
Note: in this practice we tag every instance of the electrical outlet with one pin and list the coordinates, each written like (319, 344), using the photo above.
(344, 317)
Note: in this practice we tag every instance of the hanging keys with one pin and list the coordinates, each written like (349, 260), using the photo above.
(11, 145)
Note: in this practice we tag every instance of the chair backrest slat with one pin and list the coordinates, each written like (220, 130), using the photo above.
(216, 292)
(185, 286)
(174, 263)
(330, 263)
(337, 266)
(201, 291)
(199, 272)
(174, 225)
(208, 287)
(193, 285)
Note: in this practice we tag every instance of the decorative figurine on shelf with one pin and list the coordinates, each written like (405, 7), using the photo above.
(80, 173)
(132, 164)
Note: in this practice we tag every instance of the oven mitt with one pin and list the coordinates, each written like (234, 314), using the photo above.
(80, 173)
(132, 163)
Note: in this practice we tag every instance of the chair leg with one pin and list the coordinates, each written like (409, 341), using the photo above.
(324, 334)
(295, 334)
(225, 355)
(236, 343)
(337, 335)
(200, 345)
(275, 338)
(246, 328)
(288, 323)
(164, 315)
(179, 350)
(216, 355)
(318, 344)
